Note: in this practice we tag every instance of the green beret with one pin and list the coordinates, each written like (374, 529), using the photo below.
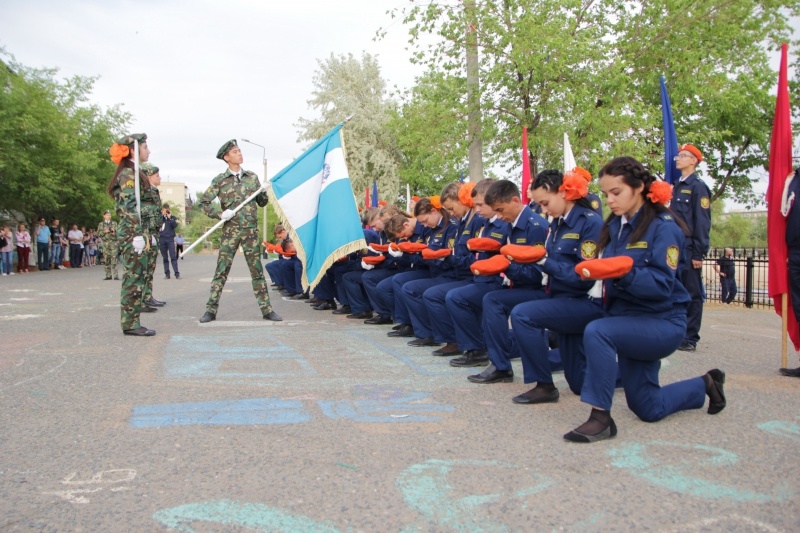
(128, 139)
(227, 147)
(149, 169)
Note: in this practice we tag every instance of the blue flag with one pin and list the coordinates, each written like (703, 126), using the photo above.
(313, 195)
(374, 201)
(671, 172)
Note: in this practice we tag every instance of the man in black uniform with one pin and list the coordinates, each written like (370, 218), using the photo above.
(691, 202)
(727, 276)
(166, 241)
(791, 192)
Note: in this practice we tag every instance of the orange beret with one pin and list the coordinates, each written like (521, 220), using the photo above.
(427, 253)
(373, 259)
(483, 244)
(692, 150)
(411, 247)
(380, 247)
(415, 198)
(278, 249)
(268, 246)
(490, 267)
(609, 268)
(288, 253)
(382, 203)
(523, 253)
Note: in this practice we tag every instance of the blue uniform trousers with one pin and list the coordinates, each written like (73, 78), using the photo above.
(638, 342)
(465, 306)
(497, 306)
(401, 314)
(413, 292)
(693, 282)
(371, 279)
(325, 289)
(274, 271)
(794, 278)
(353, 286)
(292, 272)
(565, 315)
(434, 300)
(338, 270)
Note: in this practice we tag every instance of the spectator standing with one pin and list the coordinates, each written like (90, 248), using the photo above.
(7, 251)
(75, 237)
(64, 248)
(727, 276)
(166, 241)
(91, 248)
(179, 245)
(56, 253)
(108, 233)
(42, 245)
(85, 247)
(23, 239)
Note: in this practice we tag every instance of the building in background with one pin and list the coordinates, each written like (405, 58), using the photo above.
(176, 194)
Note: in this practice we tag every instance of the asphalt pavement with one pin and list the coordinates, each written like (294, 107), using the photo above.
(321, 423)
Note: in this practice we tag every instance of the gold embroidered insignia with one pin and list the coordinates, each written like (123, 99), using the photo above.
(595, 204)
(588, 249)
(673, 254)
(450, 242)
(129, 184)
(571, 236)
(636, 245)
(521, 241)
(705, 203)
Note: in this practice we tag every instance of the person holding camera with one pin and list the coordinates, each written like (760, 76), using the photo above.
(107, 230)
(167, 241)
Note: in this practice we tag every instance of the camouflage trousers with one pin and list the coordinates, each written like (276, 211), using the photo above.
(110, 253)
(134, 267)
(232, 238)
(152, 259)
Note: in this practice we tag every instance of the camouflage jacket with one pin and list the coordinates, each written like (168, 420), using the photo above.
(231, 194)
(106, 230)
(125, 199)
(151, 210)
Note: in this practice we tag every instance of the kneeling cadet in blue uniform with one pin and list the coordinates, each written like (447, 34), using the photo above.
(568, 308)
(527, 229)
(641, 246)
(352, 282)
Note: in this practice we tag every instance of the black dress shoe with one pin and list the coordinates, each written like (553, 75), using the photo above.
(313, 301)
(301, 296)
(687, 346)
(140, 332)
(148, 309)
(166, 276)
(536, 395)
(471, 358)
(152, 302)
(398, 326)
(324, 306)
(272, 315)
(577, 436)
(208, 316)
(343, 310)
(107, 278)
(492, 375)
(449, 349)
(426, 341)
(790, 372)
(405, 331)
(289, 294)
(177, 275)
(278, 287)
(379, 320)
(367, 314)
(717, 381)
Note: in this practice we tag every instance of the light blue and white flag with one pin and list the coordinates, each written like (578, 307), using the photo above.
(313, 195)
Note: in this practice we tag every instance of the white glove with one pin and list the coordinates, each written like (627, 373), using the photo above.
(138, 244)
(227, 215)
(265, 186)
(366, 266)
(542, 261)
(394, 253)
(153, 240)
(506, 282)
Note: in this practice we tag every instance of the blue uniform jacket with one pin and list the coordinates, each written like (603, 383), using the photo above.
(597, 203)
(793, 218)
(691, 202)
(653, 286)
(530, 229)
(571, 240)
(462, 257)
(498, 230)
(442, 237)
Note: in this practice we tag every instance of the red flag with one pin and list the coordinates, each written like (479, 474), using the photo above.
(367, 204)
(780, 166)
(526, 166)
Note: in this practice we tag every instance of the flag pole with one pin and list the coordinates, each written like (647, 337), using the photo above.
(784, 330)
(137, 187)
(205, 235)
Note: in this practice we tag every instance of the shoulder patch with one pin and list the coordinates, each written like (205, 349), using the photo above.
(672, 257)
(129, 184)
(588, 249)
(571, 236)
(636, 245)
(705, 203)
(595, 204)
(450, 242)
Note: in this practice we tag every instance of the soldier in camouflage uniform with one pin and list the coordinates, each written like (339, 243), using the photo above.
(107, 230)
(151, 222)
(130, 234)
(232, 187)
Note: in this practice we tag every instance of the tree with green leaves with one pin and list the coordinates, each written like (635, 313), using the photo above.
(344, 86)
(54, 146)
(590, 68)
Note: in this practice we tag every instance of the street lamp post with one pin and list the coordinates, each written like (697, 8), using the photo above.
(264, 152)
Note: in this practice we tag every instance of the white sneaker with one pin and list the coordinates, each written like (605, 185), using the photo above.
(11, 273)
(5, 274)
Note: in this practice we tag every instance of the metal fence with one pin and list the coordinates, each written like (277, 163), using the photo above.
(751, 266)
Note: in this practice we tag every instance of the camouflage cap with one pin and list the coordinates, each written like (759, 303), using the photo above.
(149, 169)
(227, 147)
(107, 212)
(127, 140)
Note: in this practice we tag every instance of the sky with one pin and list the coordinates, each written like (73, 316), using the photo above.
(196, 74)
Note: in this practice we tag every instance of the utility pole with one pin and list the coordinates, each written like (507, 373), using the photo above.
(473, 95)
